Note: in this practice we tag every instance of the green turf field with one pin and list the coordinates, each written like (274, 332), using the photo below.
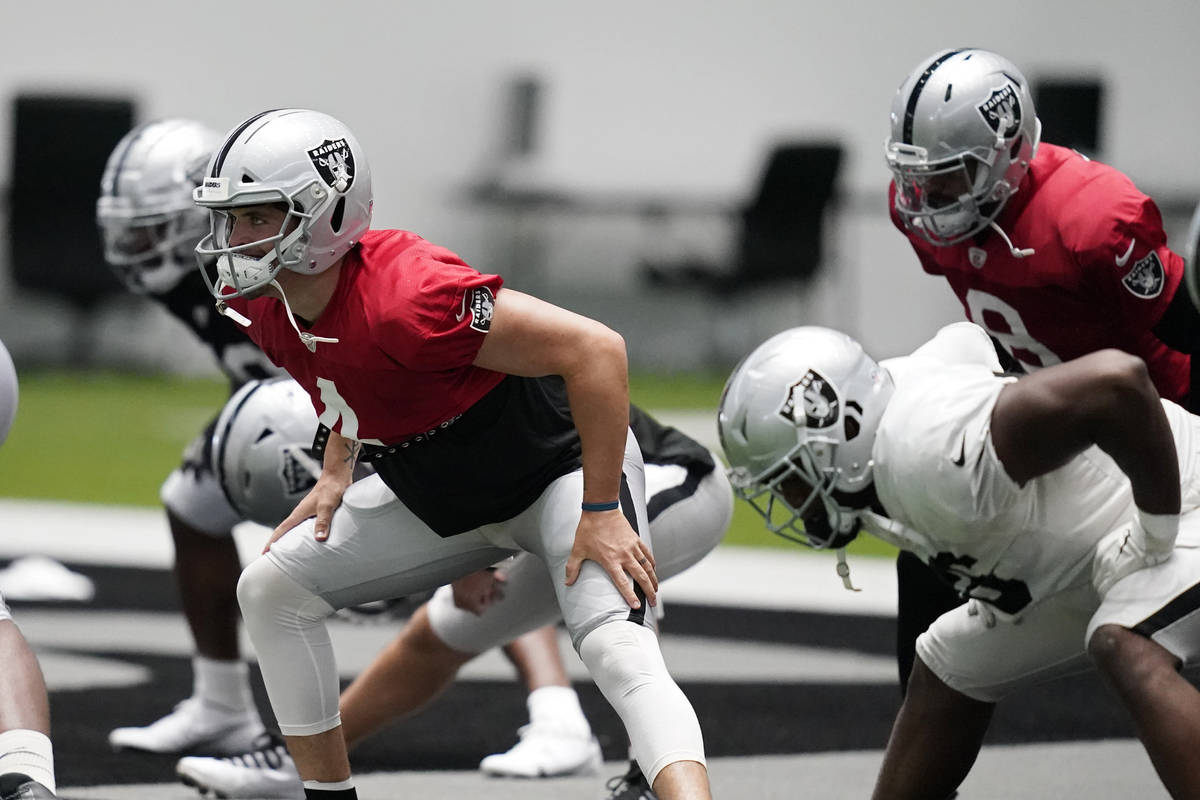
(104, 437)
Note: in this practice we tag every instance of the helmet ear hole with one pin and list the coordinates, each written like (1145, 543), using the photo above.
(850, 428)
(1016, 147)
(339, 210)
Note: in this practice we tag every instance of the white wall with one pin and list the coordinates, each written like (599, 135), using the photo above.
(642, 96)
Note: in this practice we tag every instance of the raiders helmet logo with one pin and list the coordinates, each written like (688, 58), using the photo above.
(815, 397)
(300, 471)
(1146, 278)
(334, 163)
(1002, 111)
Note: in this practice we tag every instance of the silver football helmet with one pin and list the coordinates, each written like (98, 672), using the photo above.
(148, 220)
(797, 422)
(8, 393)
(963, 132)
(262, 449)
(310, 164)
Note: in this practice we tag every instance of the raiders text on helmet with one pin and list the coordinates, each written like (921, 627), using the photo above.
(802, 410)
(147, 217)
(963, 132)
(304, 160)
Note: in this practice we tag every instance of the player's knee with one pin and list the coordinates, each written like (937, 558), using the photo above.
(267, 595)
(1121, 653)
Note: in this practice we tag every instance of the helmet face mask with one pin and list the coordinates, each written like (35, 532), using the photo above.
(245, 268)
(148, 221)
(797, 423)
(307, 163)
(963, 119)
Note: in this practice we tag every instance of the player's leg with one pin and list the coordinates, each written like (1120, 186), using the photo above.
(966, 661)
(1146, 628)
(934, 741)
(26, 754)
(921, 598)
(376, 549)
(618, 644)
(220, 715)
(406, 676)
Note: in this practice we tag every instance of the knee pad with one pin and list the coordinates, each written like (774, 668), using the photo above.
(625, 662)
(286, 623)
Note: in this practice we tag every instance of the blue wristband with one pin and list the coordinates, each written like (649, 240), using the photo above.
(612, 505)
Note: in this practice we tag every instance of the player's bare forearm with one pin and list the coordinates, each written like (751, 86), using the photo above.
(1106, 399)
(340, 455)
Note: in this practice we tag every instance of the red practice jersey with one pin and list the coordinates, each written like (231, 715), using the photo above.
(1101, 274)
(409, 317)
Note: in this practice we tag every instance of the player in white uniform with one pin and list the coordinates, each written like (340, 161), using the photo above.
(26, 754)
(262, 448)
(1064, 505)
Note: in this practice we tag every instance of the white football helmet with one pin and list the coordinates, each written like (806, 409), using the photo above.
(304, 160)
(8, 393)
(963, 132)
(262, 449)
(148, 220)
(797, 422)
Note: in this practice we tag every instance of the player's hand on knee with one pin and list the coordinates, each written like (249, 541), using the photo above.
(321, 502)
(1146, 541)
(606, 538)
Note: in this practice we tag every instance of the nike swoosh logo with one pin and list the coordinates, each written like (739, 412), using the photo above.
(1122, 259)
(462, 312)
(962, 453)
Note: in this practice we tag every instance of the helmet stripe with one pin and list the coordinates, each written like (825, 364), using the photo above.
(119, 168)
(911, 109)
(225, 148)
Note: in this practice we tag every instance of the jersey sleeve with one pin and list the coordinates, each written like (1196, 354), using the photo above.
(443, 311)
(1117, 235)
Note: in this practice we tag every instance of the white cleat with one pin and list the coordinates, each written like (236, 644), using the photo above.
(544, 752)
(193, 727)
(267, 771)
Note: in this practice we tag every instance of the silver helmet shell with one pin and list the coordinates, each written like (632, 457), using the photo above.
(963, 133)
(148, 220)
(804, 405)
(309, 163)
(8, 393)
(262, 449)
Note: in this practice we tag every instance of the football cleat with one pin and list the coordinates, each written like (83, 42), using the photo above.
(266, 771)
(630, 786)
(19, 786)
(544, 751)
(193, 727)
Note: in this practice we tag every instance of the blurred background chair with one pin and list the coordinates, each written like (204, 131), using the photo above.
(60, 146)
(780, 231)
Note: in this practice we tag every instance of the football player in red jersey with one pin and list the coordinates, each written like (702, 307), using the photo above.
(1053, 254)
(495, 422)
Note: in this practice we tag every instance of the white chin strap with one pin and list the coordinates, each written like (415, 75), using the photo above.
(310, 340)
(843, 570)
(1017, 253)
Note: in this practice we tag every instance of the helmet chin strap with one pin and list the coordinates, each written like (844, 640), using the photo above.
(843, 570)
(310, 340)
(1016, 253)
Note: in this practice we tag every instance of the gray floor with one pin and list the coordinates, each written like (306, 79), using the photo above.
(1106, 770)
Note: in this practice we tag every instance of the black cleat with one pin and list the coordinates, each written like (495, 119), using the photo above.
(630, 786)
(19, 786)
